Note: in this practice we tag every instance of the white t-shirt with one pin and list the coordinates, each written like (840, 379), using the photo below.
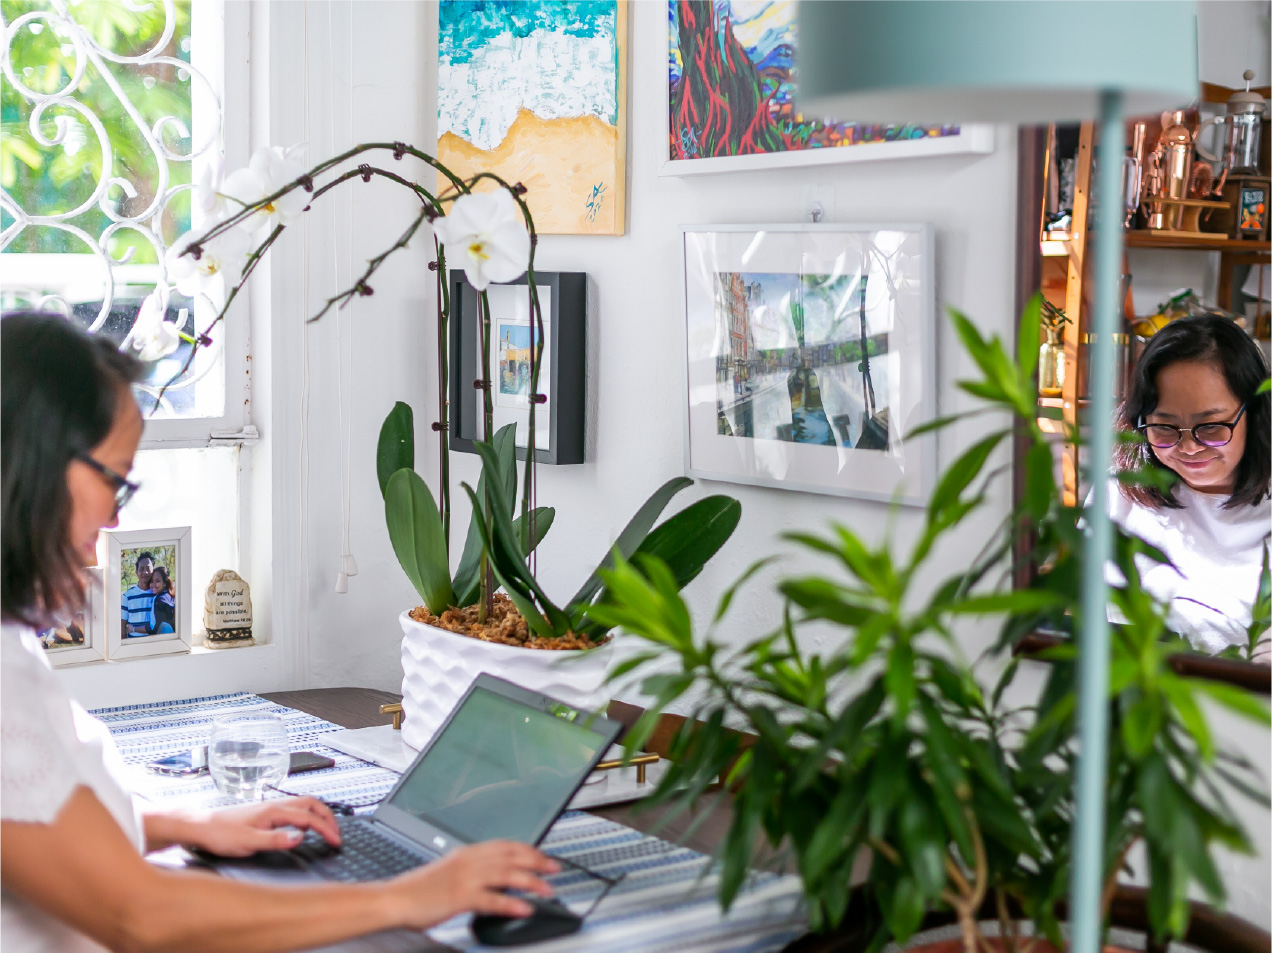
(1218, 555)
(49, 746)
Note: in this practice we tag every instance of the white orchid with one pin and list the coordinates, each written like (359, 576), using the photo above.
(484, 235)
(151, 336)
(217, 267)
(209, 204)
(271, 168)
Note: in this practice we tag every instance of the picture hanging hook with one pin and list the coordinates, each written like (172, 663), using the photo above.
(815, 212)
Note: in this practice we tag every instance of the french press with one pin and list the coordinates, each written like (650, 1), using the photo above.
(1244, 120)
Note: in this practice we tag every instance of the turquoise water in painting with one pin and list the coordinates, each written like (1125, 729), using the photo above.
(557, 58)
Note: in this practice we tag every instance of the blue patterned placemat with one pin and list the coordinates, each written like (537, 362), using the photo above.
(667, 900)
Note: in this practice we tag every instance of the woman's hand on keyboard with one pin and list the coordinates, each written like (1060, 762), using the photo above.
(243, 831)
(473, 879)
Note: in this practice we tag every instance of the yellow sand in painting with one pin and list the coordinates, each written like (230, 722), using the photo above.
(564, 163)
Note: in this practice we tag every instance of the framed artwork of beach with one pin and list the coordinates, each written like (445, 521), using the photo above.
(810, 354)
(536, 93)
(732, 96)
(559, 417)
(147, 592)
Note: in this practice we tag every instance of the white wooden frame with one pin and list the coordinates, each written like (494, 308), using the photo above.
(863, 474)
(94, 647)
(140, 646)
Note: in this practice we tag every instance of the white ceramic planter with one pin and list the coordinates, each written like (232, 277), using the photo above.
(438, 666)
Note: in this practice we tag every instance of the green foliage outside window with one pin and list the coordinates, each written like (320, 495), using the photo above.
(47, 180)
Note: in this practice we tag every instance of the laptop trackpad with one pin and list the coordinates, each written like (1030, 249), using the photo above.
(273, 867)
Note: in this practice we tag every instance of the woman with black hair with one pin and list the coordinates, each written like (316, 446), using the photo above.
(1194, 400)
(163, 613)
(69, 428)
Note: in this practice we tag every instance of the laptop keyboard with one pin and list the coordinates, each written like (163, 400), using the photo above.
(365, 854)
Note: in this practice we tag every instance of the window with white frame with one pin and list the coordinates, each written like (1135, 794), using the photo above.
(112, 111)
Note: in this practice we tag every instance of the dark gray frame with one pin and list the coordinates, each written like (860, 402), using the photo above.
(566, 335)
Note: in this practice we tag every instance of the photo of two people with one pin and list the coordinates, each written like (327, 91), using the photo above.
(148, 601)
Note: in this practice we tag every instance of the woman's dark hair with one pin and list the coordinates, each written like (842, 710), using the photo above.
(167, 580)
(1210, 339)
(58, 393)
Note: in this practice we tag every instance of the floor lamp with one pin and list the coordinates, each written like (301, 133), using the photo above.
(1026, 61)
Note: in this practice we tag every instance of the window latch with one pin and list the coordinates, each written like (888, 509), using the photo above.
(246, 437)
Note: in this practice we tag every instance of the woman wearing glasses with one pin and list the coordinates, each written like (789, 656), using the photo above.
(1194, 400)
(68, 431)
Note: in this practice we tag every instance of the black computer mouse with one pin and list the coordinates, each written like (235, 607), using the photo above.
(550, 919)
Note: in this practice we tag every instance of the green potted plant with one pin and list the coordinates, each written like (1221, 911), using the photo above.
(464, 626)
(887, 743)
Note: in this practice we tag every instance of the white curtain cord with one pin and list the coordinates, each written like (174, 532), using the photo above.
(348, 567)
(304, 404)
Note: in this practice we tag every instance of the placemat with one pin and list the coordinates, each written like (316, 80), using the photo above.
(667, 899)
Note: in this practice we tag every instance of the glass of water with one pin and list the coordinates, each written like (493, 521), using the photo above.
(248, 753)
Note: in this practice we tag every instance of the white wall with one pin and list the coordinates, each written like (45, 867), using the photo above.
(371, 76)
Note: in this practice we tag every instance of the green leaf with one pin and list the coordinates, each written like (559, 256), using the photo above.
(962, 472)
(1236, 699)
(1018, 601)
(686, 541)
(899, 679)
(727, 599)
(1040, 480)
(1265, 386)
(1028, 335)
(632, 535)
(1140, 724)
(1189, 712)
(923, 845)
(396, 447)
(415, 529)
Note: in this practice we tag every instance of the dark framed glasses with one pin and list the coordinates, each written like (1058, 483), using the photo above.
(124, 487)
(1165, 436)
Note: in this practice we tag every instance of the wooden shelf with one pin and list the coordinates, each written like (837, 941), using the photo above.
(1141, 239)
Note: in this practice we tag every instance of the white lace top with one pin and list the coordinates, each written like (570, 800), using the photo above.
(49, 746)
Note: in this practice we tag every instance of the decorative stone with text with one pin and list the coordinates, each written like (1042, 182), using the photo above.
(227, 611)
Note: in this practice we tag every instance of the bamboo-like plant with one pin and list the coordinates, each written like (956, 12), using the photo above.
(888, 743)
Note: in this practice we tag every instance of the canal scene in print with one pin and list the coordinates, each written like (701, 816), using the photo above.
(800, 359)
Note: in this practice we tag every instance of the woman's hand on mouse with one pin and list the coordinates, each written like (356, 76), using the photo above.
(243, 831)
(473, 879)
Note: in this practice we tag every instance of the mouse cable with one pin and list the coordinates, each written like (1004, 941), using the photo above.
(342, 808)
(610, 882)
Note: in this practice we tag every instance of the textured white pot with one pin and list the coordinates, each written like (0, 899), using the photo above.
(438, 666)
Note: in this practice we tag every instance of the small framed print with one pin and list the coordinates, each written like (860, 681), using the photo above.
(83, 637)
(810, 353)
(147, 592)
(559, 417)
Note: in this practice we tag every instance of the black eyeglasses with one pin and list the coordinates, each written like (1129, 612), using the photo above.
(124, 487)
(1164, 436)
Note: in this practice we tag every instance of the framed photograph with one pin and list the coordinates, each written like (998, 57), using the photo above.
(83, 637)
(810, 351)
(147, 592)
(559, 417)
(732, 92)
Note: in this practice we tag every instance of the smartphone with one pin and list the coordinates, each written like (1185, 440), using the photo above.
(181, 765)
(308, 761)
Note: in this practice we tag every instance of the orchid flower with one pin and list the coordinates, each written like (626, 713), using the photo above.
(271, 168)
(218, 265)
(209, 204)
(151, 336)
(484, 235)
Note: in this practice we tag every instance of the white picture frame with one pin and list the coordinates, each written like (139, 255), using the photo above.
(775, 401)
(93, 648)
(510, 312)
(121, 546)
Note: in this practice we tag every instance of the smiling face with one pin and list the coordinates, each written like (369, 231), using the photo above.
(92, 494)
(1193, 393)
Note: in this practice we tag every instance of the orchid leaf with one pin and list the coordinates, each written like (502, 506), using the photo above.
(396, 448)
(415, 529)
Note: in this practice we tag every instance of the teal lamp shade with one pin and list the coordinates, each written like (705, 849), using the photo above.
(1029, 61)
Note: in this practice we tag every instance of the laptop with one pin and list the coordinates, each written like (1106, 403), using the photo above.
(503, 766)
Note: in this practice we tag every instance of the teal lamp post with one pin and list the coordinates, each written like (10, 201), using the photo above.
(1026, 61)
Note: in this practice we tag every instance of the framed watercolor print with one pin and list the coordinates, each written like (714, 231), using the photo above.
(559, 417)
(82, 638)
(810, 351)
(537, 94)
(732, 90)
(147, 591)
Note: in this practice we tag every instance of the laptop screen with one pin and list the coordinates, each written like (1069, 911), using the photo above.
(499, 770)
